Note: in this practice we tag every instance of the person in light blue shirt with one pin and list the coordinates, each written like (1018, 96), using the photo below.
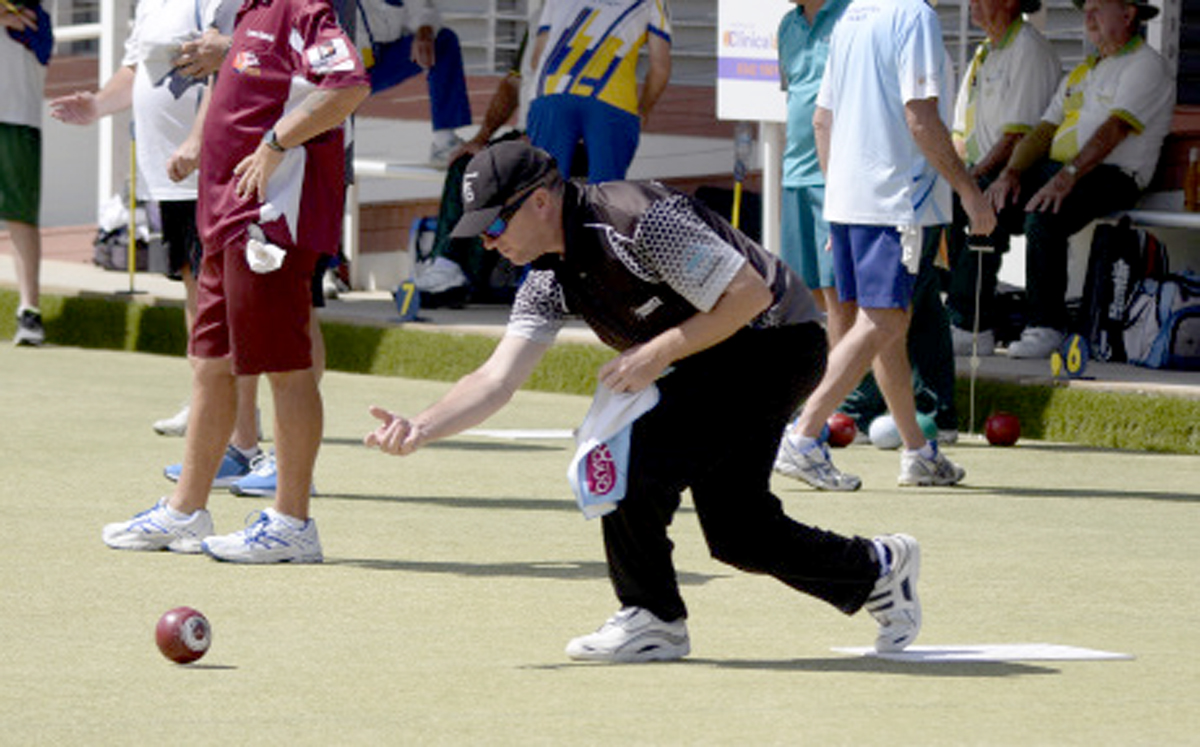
(803, 48)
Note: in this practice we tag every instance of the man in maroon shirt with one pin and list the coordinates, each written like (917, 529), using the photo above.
(270, 203)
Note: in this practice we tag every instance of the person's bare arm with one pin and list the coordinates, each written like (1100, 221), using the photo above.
(931, 136)
(85, 107)
(469, 402)
(202, 57)
(186, 157)
(1006, 189)
(998, 156)
(1109, 135)
(658, 75)
(322, 110)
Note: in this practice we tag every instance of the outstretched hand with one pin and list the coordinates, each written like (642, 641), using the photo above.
(395, 435)
(78, 108)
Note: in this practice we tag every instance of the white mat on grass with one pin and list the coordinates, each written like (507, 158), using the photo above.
(514, 434)
(990, 652)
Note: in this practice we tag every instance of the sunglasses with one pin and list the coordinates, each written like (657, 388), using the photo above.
(498, 226)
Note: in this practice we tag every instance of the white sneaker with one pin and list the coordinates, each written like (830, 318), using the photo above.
(962, 341)
(894, 603)
(813, 466)
(1036, 342)
(155, 529)
(439, 275)
(634, 634)
(918, 470)
(271, 538)
(439, 154)
(30, 330)
(176, 425)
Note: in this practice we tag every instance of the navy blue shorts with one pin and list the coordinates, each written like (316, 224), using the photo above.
(867, 263)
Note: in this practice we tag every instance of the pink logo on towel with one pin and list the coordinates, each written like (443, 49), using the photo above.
(601, 471)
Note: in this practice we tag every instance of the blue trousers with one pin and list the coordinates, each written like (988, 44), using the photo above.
(609, 135)
(450, 107)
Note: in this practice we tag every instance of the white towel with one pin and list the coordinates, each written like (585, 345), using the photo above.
(600, 468)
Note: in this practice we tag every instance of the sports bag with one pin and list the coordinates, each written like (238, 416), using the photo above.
(1163, 324)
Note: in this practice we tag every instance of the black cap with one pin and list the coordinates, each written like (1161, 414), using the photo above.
(493, 177)
(1145, 11)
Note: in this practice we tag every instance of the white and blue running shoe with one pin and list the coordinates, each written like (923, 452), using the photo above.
(270, 538)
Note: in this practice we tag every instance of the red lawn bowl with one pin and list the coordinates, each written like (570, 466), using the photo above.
(842, 429)
(1002, 429)
(183, 635)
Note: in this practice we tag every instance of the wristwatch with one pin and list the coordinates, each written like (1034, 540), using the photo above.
(273, 142)
(1071, 169)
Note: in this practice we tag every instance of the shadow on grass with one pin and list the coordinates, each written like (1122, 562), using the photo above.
(464, 502)
(873, 665)
(472, 503)
(850, 665)
(1089, 494)
(585, 570)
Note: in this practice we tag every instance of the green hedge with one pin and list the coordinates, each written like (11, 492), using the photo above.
(1141, 422)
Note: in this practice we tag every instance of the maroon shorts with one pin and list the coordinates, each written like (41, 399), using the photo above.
(260, 321)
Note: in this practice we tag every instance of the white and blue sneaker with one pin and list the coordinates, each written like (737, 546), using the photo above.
(234, 466)
(813, 465)
(270, 538)
(893, 602)
(633, 634)
(159, 528)
(918, 469)
(262, 480)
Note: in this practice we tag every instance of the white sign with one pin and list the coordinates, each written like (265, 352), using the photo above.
(748, 85)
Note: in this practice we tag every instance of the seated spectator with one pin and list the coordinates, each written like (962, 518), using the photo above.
(1093, 153)
(398, 42)
(1002, 97)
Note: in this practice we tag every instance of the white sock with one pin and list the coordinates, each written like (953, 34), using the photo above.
(290, 521)
(176, 515)
(801, 442)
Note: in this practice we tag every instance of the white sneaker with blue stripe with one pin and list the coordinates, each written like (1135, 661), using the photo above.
(893, 602)
(157, 529)
(270, 538)
(234, 466)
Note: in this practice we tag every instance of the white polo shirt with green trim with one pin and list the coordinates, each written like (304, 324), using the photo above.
(1006, 89)
(1133, 84)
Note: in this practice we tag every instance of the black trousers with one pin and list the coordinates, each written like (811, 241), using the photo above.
(716, 430)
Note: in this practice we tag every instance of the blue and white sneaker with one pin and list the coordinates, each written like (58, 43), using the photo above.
(262, 480)
(271, 538)
(233, 467)
(894, 602)
(156, 529)
(813, 466)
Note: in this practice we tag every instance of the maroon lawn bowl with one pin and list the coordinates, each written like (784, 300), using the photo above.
(183, 635)
(1002, 429)
(842, 429)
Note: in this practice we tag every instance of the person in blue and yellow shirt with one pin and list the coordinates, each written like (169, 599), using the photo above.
(587, 88)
